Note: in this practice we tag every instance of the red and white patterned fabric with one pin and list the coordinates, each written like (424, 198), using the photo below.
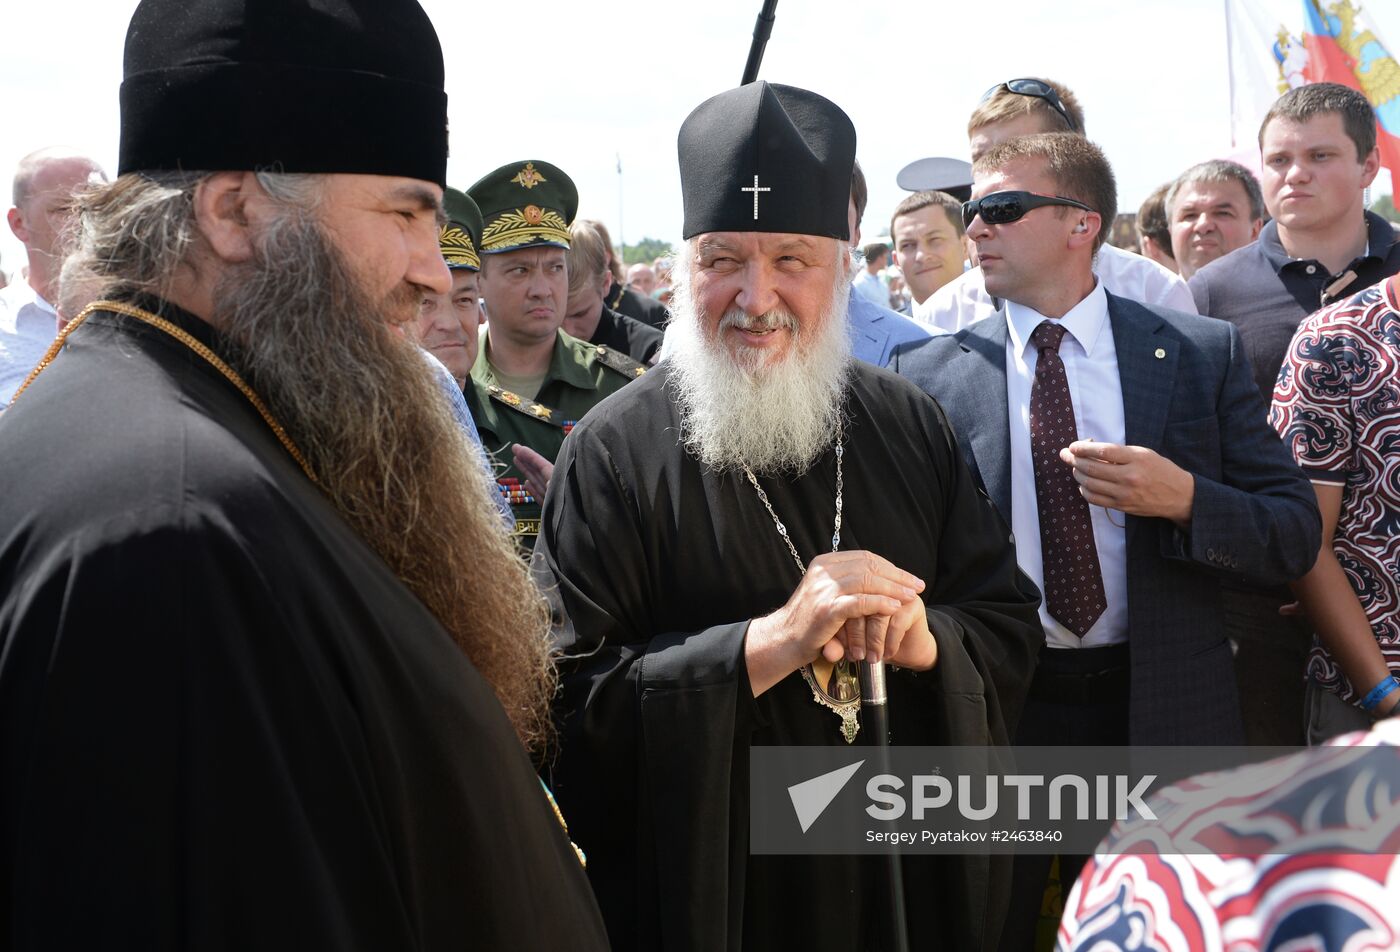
(1275, 867)
(1337, 407)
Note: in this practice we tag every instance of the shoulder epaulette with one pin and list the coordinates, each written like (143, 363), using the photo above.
(620, 362)
(530, 408)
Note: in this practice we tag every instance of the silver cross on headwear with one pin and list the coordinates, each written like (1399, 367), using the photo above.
(755, 191)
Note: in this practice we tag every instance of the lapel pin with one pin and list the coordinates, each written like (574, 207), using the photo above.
(1159, 353)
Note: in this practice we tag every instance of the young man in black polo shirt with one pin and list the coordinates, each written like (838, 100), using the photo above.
(1318, 151)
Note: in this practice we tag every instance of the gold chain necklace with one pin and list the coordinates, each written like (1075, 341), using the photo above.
(846, 702)
(193, 344)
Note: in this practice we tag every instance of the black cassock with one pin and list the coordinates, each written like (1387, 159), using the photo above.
(636, 339)
(224, 723)
(658, 566)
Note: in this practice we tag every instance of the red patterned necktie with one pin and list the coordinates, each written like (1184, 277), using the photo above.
(1073, 583)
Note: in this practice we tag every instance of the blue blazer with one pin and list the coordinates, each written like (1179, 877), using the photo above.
(876, 331)
(1189, 394)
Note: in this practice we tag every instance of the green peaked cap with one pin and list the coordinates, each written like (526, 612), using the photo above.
(524, 204)
(460, 238)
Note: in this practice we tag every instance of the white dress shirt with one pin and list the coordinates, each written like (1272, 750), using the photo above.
(1091, 366)
(28, 325)
(965, 300)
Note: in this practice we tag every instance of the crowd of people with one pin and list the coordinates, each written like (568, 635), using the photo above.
(384, 564)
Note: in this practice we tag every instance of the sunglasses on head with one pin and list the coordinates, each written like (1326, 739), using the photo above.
(1001, 208)
(1039, 90)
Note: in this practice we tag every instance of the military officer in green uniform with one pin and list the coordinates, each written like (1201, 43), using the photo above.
(531, 382)
(449, 323)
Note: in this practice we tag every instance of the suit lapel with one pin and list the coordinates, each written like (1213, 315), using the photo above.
(1147, 369)
(982, 369)
(870, 336)
(877, 341)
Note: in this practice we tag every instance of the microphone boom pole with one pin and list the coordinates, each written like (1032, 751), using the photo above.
(762, 29)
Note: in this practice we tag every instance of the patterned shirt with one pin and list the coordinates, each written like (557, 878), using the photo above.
(1337, 407)
(1271, 858)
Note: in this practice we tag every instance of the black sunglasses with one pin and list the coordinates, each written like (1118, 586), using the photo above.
(1034, 87)
(1001, 208)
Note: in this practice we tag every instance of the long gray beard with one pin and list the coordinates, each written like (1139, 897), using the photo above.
(737, 412)
(358, 400)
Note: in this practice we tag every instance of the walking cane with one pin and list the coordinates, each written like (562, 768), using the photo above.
(874, 712)
(875, 717)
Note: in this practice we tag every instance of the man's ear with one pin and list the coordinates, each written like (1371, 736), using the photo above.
(221, 213)
(16, 219)
(1086, 229)
(1370, 167)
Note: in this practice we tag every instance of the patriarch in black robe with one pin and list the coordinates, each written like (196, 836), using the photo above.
(268, 660)
(685, 618)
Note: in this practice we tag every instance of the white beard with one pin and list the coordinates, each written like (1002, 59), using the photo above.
(739, 410)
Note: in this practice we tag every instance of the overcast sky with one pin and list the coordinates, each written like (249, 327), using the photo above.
(580, 84)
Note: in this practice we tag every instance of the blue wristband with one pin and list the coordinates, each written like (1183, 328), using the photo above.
(1379, 693)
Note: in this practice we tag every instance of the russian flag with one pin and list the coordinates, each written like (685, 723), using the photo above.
(1343, 47)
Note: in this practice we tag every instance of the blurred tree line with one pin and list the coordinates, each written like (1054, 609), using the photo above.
(645, 251)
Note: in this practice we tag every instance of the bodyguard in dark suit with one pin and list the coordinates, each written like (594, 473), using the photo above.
(1124, 445)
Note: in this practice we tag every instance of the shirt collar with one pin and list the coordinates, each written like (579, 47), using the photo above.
(566, 363)
(570, 363)
(1379, 237)
(201, 330)
(481, 368)
(1084, 322)
(19, 294)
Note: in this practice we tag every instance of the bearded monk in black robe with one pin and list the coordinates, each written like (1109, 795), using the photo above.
(268, 660)
(687, 618)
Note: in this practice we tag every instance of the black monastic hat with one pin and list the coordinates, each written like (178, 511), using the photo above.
(524, 204)
(287, 85)
(460, 238)
(765, 157)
